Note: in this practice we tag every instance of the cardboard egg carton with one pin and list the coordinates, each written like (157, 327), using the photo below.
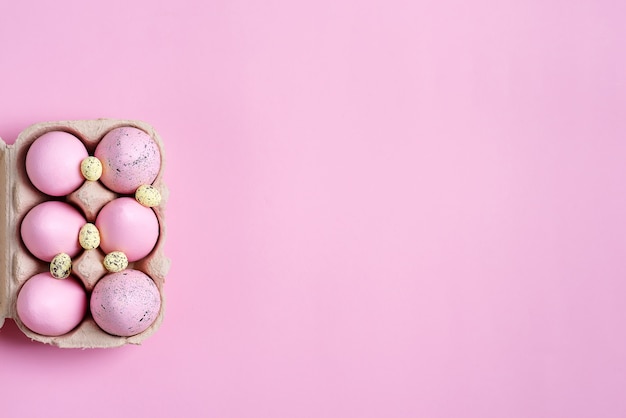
(17, 264)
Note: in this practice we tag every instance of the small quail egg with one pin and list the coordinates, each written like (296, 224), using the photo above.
(89, 236)
(148, 196)
(115, 261)
(91, 167)
(61, 266)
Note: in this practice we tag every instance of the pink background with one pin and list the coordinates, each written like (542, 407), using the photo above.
(378, 208)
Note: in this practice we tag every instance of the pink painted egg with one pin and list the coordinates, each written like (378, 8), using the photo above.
(51, 228)
(127, 226)
(50, 306)
(130, 158)
(125, 303)
(53, 163)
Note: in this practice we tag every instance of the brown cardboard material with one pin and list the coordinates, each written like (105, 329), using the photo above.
(18, 196)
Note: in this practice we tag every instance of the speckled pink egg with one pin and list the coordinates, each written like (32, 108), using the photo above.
(50, 306)
(127, 226)
(51, 228)
(53, 163)
(125, 303)
(130, 158)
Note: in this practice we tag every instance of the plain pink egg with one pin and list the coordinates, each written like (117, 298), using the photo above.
(50, 306)
(53, 163)
(51, 228)
(127, 226)
(125, 303)
(130, 158)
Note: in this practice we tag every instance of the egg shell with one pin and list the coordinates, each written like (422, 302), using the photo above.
(51, 228)
(49, 306)
(53, 163)
(130, 158)
(127, 226)
(125, 303)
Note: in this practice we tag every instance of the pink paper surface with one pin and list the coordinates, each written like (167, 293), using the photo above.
(378, 208)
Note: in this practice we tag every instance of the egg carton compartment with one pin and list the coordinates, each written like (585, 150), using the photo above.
(18, 264)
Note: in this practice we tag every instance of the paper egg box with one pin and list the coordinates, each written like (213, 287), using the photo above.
(18, 196)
